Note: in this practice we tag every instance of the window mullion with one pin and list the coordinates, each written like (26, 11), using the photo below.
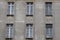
(10, 8)
(29, 9)
(29, 31)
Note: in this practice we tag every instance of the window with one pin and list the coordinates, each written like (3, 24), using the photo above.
(48, 8)
(29, 9)
(9, 31)
(10, 8)
(8, 38)
(29, 30)
(49, 31)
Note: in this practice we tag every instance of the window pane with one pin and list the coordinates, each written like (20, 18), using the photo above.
(48, 10)
(9, 31)
(29, 31)
(29, 8)
(48, 30)
(10, 8)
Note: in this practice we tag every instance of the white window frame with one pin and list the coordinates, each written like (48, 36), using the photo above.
(10, 8)
(49, 31)
(9, 31)
(48, 8)
(29, 31)
(30, 9)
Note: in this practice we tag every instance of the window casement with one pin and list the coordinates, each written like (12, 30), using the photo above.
(29, 9)
(10, 9)
(48, 8)
(29, 30)
(9, 31)
(49, 31)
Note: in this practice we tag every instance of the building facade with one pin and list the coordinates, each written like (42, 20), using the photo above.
(29, 19)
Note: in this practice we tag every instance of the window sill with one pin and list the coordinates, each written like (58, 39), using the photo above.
(10, 15)
(49, 15)
(29, 15)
